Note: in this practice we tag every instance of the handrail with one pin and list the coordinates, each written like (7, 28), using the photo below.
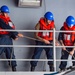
(54, 46)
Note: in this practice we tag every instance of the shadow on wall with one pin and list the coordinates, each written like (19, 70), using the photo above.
(30, 26)
(29, 42)
(29, 51)
(16, 2)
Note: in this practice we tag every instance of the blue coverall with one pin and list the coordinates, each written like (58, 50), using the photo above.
(64, 55)
(38, 51)
(7, 40)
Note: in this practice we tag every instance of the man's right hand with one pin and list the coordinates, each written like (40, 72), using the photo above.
(19, 35)
(46, 41)
(63, 48)
(16, 38)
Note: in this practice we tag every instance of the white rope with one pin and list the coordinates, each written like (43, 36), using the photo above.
(31, 38)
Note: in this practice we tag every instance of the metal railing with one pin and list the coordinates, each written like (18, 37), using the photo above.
(54, 46)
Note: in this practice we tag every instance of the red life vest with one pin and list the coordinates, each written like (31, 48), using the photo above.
(68, 37)
(43, 26)
(8, 22)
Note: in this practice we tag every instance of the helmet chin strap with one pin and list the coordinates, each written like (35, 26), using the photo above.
(71, 26)
(4, 14)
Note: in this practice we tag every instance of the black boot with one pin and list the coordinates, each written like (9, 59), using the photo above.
(51, 68)
(62, 69)
(13, 68)
(73, 64)
(9, 63)
(32, 68)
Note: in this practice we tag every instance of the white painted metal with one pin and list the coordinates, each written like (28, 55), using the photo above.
(54, 47)
(54, 50)
(29, 3)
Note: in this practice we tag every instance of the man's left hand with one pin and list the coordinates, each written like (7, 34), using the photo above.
(20, 35)
(72, 52)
